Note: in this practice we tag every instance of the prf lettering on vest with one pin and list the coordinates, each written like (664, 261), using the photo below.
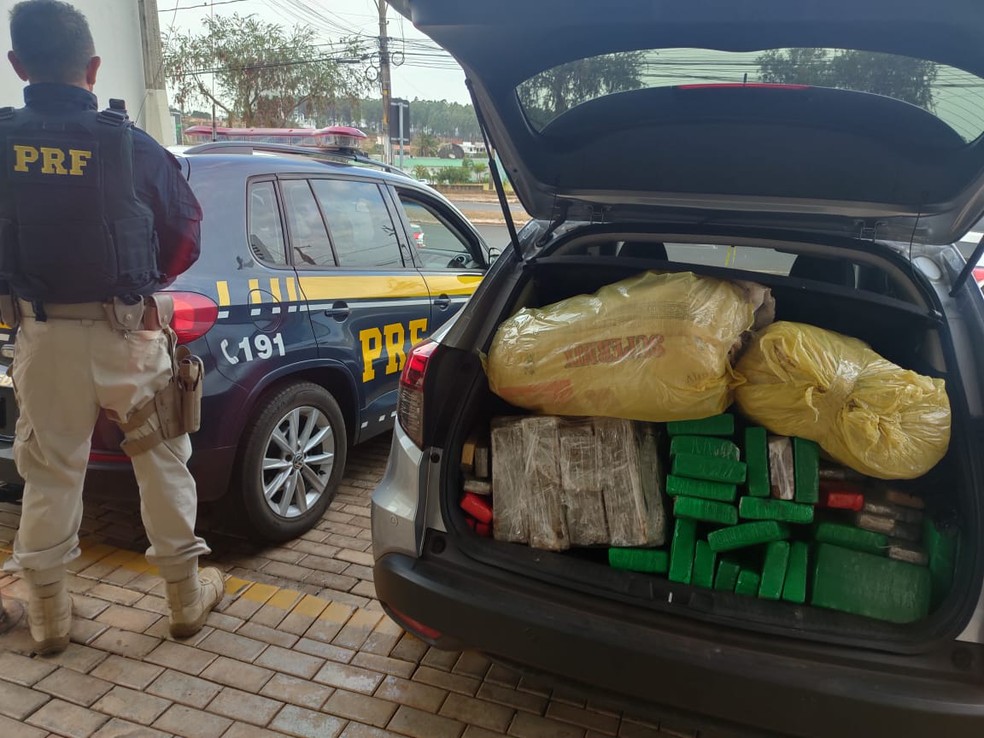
(394, 339)
(52, 160)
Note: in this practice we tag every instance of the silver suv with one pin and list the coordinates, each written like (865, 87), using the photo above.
(832, 152)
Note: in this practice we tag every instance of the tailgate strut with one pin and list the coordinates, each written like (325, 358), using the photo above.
(969, 268)
(493, 167)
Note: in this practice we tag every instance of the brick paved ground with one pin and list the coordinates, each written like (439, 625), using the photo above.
(299, 647)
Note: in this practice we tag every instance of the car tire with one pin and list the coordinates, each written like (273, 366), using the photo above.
(291, 460)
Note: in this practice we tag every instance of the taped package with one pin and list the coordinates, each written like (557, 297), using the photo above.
(654, 347)
(863, 410)
(562, 482)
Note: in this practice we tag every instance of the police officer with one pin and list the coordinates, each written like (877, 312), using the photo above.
(95, 217)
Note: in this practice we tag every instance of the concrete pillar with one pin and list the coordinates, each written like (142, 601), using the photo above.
(155, 117)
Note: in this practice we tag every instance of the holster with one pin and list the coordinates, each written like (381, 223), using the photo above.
(125, 317)
(178, 405)
(191, 373)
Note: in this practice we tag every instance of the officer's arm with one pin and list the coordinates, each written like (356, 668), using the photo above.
(177, 214)
(179, 225)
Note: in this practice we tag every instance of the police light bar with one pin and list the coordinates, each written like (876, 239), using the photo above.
(341, 138)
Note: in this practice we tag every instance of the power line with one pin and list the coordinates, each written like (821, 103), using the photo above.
(176, 8)
(271, 65)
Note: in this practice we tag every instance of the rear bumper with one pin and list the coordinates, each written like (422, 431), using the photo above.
(727, 680)
(210, 467)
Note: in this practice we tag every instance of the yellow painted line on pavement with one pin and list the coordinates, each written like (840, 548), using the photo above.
(310, 606)
(260, 592)
(285, 599)
(336, 613)
(234, 586)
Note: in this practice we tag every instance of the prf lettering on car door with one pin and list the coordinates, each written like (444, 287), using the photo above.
(393, 339)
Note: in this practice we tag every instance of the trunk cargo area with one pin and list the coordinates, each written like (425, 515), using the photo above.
(799, 567)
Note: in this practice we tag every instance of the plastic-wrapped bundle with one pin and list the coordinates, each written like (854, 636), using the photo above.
(560, 482)
(863, 410)
(654, 347)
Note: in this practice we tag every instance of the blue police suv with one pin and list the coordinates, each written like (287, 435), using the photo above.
(309, 293)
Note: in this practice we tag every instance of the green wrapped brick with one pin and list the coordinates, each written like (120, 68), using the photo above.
(794, 589)
(806, 466)
(716, 425)
(757, 461)
(709, 468)
(873, 586)
(748, 583)
(941, 545)
(708, 511)
(704, 562)
(721, 448)
(848, 536)
(747, 534)
(682, 550)
(758, 508)
(774, 570)
(727, 575)
(700, 488)
(648, 560)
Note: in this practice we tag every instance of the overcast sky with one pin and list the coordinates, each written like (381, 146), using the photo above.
(426, 72)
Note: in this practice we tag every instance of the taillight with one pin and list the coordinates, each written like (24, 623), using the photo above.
(410, 400)
(194, 315)
(979, 276)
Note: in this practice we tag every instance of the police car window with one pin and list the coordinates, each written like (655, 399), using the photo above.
(359, 222)
(309, 244)
(266, 235)
(438, 244)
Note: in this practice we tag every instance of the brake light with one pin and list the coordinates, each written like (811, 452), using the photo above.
(742, 85)
(194, 315)
(979, 276)
(410, 400)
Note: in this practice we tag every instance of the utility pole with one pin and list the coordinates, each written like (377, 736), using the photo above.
(384, 80)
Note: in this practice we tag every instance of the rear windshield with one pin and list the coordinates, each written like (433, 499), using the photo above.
(952, 95)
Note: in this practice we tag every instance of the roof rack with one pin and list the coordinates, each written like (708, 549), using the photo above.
(344, 156)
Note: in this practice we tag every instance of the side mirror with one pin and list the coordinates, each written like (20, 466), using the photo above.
(494, 254)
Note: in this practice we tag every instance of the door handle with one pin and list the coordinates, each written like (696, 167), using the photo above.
(339, 311)
(442, 302)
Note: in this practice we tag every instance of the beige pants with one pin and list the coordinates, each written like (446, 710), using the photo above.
(64, 372)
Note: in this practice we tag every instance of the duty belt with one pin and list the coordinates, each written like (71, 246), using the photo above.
(152, 313)
(63, 311)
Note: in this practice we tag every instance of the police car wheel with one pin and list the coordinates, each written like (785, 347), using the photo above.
(291, 460)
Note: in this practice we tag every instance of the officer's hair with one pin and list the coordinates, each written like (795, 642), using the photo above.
(52, 40)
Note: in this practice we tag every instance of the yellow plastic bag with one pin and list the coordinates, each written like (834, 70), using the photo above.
(863, 410)
(652, 347)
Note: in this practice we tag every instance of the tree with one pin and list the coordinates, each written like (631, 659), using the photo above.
(427, 143)
(557, 90)
(898, 77)
(264, 75)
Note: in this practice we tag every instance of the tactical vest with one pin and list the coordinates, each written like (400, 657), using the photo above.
(71, 226)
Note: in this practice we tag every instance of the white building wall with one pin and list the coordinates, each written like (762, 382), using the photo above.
(115, 28)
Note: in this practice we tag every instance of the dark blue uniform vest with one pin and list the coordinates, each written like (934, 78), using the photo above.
(71, 226)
